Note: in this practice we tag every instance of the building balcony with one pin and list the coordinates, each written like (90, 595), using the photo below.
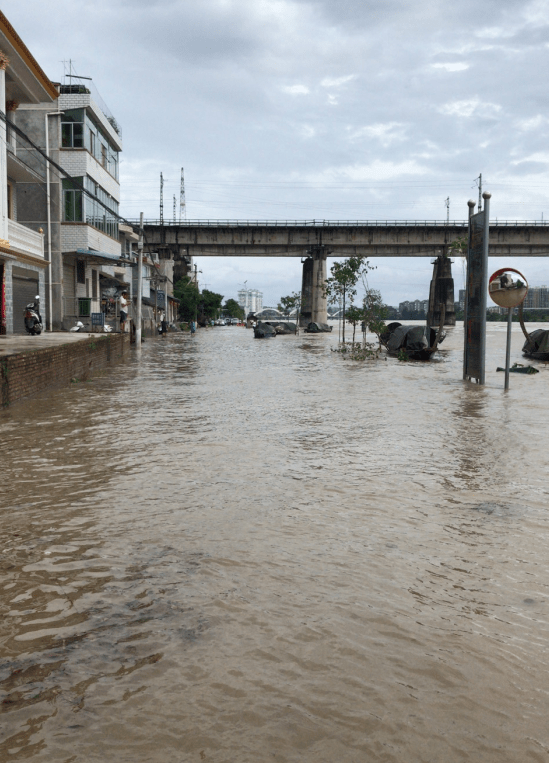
(24, 240)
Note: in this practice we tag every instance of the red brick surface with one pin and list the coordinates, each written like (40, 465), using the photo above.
(27, 373)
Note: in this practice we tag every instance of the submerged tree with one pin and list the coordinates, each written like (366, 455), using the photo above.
(341, 286)
(374, 312)
(354, 316)
(288, 304)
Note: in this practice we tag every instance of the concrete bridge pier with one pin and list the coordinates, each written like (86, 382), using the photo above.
(313, 296)
(441, 292)
(319, 303)
(305, 316)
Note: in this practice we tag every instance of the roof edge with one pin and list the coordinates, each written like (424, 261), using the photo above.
(27, 56)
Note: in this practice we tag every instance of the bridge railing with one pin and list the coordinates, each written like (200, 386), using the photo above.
(334, 223)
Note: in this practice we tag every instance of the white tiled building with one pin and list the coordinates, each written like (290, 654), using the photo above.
(93, 270)
(250, 300)
(23, 265)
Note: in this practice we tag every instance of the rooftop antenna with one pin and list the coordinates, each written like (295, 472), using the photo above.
(70, 75)
(182, 205)
(161, 199)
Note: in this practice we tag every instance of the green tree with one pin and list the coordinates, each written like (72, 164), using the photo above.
(341, 286)
(290, 303)
(210, 304)
(375, 312)
(458, 247)
(233, 309)
(186, 292)
(354, 316)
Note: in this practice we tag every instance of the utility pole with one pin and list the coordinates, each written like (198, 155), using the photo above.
(447, 205)
(174, 209)
(161, 200)
(182, 205)
(139, 284)
(479, 181)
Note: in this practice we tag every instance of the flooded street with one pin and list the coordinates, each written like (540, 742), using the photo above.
(244, 550)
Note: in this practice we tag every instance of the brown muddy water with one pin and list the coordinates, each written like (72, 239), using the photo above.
(242, 551)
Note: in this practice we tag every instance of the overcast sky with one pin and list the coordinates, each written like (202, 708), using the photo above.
(315, 109)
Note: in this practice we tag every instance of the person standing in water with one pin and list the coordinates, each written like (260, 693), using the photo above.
(123, 311)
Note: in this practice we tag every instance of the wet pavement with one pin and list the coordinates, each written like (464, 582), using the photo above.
(12, 344)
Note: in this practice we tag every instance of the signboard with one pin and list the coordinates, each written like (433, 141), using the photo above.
(161, 298)
(98, 319)
(476, 296)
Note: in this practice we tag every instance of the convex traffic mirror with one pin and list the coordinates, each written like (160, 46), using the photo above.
(507, 287)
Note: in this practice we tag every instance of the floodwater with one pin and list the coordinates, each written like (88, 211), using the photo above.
(239, 550)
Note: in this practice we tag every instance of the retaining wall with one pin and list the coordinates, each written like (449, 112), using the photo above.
(27, 373)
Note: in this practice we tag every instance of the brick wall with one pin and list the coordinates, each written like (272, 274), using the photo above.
(30, 372)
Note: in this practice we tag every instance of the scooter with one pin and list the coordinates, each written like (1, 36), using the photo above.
(33, 319)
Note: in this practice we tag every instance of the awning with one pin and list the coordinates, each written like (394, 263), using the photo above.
(107, 280)
(102, 258)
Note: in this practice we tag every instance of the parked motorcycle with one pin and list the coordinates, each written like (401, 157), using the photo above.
(33, 319)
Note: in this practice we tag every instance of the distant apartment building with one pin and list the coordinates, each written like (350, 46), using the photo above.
(413, 306)
(537, 298)
(250, 300)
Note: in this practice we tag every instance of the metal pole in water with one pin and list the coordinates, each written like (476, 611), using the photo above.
(139, 284)
(484, 290)
(508, 349)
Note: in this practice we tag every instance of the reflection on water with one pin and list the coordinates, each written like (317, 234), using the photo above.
(246, 550)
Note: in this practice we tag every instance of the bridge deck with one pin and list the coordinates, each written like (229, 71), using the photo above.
(392, 238)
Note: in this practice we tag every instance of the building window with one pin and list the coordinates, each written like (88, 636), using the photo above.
(72, 135)
(80, 271)
(99, 212)
(72, 129)
(99, 147)
(10, 201)
(94, 284)
(72, 202)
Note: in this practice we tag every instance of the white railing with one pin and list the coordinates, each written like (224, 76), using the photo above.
(335, 223)
(24, 239)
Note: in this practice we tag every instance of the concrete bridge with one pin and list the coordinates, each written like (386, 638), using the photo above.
(318, 239)
(394, 238)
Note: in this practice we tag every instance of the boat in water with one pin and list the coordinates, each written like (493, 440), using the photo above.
(536, 345)
(264, 331)
(282, 327)
(418, 342)
(317, 328)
